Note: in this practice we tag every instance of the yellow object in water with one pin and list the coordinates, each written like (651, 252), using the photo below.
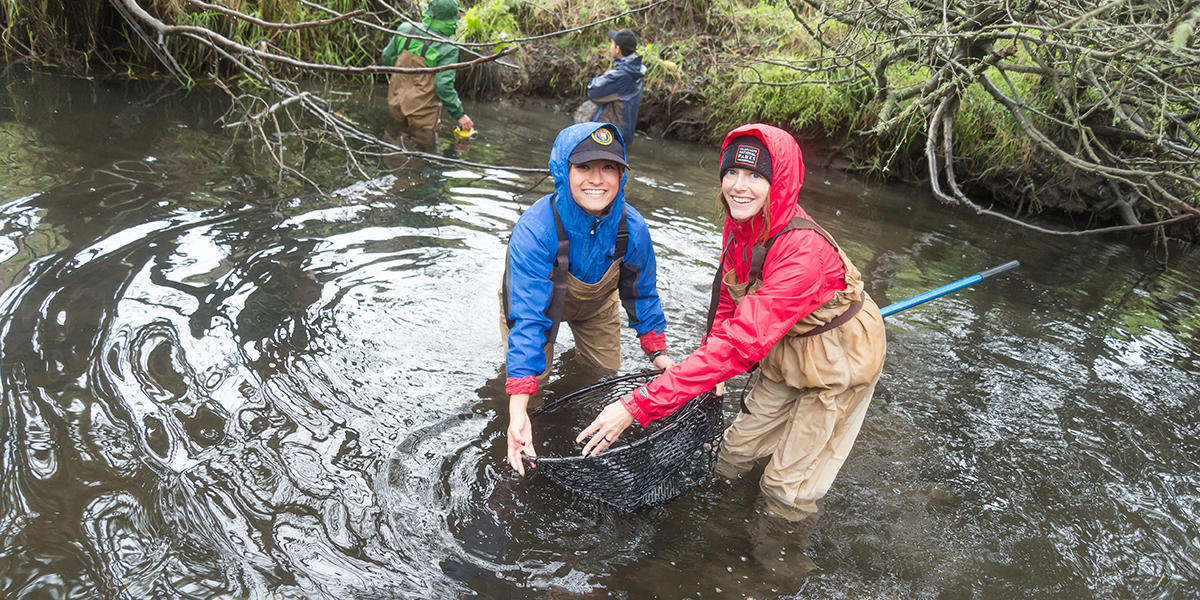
(461, 134)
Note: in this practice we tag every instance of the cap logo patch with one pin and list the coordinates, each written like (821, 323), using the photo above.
(746, 155)
(602, 136)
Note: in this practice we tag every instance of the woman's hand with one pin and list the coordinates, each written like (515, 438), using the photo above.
(719, 390)
(605, 428)
(663, 362)
(520, 432)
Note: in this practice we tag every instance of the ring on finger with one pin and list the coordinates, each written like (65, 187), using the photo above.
(606, 439)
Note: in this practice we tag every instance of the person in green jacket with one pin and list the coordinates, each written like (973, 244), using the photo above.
(416, 99)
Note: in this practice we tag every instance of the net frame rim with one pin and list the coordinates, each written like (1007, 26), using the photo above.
(689, 407)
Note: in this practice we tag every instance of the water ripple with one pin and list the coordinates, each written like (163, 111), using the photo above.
(213, 388)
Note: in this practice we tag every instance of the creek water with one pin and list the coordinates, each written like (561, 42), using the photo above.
(215, 386)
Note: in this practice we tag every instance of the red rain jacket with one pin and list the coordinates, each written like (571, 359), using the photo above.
(802, 272)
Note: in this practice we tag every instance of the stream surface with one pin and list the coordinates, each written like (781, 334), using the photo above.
(217, 386)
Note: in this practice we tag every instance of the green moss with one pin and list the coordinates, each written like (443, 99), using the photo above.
(766, 24)
(989, 136)
(491, 20)
(788, 98)
(336, 44)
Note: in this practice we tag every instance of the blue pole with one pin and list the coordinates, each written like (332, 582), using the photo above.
(946, 289)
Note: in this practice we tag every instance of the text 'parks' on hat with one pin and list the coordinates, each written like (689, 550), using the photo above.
(624, 39)
(601, 145)
(746, 152)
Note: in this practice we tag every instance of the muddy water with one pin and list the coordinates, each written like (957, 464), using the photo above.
(219, 385)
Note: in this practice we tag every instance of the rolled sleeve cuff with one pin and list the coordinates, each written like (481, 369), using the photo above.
(632, 403)
(653, 342)
(521, 385)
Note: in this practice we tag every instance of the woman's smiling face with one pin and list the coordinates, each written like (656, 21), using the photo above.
(594, 185)
(745, 192)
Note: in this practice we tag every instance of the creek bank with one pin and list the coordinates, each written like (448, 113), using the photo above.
(676, 106)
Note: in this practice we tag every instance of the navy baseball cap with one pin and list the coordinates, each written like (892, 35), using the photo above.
(603, 144)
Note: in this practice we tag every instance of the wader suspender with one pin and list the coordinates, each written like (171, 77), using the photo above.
(716, 288)
(424, 48)
(558, 295)
(758, 256)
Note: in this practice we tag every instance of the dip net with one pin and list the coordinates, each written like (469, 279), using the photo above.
(646, 467)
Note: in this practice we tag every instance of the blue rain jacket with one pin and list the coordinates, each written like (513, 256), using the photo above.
(534, 243)
(625, 79)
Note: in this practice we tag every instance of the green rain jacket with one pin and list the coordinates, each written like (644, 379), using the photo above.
(436, 54)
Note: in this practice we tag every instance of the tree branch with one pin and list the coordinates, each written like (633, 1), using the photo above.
(271, 25)
(216, 39)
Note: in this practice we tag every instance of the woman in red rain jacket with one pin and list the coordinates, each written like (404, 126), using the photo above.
(800, 313)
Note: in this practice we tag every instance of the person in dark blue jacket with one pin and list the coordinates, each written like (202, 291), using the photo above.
(577, 255)
(618, 91)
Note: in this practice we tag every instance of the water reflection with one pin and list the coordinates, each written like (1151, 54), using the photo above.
(216, 389)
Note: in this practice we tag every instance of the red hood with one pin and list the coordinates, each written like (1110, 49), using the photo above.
(787, 175)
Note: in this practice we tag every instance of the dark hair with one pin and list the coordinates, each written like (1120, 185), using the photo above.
(625, 40)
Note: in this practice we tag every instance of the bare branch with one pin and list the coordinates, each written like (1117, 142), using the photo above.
(1100, 89)
(273, 124)
(216, 39)
(271, 25)
(506, 41)
(1074, 23)
(270, 110)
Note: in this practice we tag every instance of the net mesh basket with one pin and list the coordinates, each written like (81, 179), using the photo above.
(646, 467)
